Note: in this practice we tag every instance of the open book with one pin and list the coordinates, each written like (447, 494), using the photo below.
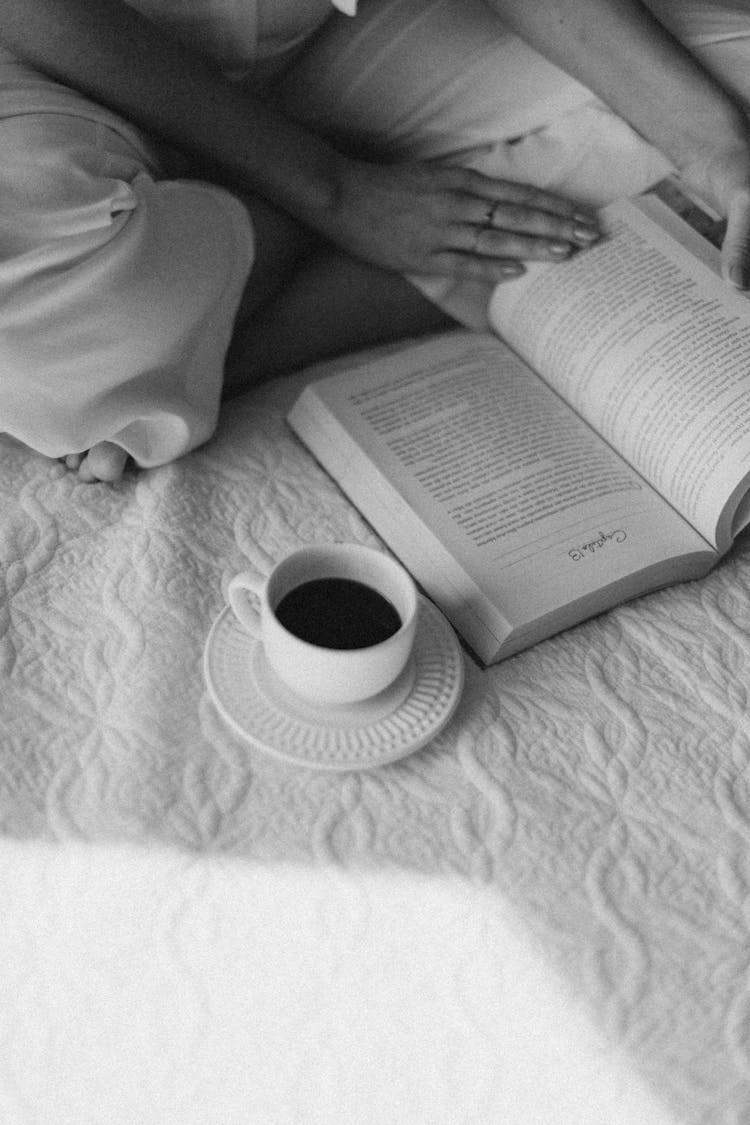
(596, 449)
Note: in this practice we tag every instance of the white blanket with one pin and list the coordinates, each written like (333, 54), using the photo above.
(540, 919)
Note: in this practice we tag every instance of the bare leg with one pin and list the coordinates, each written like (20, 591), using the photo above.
(332, 304)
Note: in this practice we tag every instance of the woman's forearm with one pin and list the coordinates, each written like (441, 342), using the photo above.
(621, 52)
(111, 53)
(414, 218)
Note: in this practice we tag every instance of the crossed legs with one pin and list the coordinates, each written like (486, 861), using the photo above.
(303, 302)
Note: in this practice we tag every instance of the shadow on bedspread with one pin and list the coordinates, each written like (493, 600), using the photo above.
(597, 785)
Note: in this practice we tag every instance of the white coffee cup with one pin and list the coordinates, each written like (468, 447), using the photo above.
(319, 673)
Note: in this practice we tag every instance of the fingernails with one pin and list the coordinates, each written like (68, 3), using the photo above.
(585, 234)
(512, 269)
(560, 249)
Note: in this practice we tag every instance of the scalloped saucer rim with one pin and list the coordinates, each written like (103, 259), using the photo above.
(398, 721)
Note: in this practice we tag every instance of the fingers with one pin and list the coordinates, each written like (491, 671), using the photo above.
(473, 267)
(502, 220)
(735, 252)
(488, 189)
(578, 229)
(488, 254)
(524, 236)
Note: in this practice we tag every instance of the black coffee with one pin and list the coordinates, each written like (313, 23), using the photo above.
(338, 613)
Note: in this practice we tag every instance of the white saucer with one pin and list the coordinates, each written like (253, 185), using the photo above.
(400, 720)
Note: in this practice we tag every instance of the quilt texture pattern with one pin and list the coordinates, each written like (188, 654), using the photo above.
(539, 919)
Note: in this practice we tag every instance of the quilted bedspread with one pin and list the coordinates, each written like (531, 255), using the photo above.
(539, 919)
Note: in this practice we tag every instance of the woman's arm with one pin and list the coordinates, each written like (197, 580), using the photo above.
(414, 218)
(621, 52)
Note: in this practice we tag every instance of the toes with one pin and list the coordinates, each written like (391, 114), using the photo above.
(105, 462)
(85, 473)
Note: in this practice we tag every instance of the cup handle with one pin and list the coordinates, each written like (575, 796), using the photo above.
(239, 588)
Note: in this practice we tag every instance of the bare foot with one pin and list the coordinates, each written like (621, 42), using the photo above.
(103, 462)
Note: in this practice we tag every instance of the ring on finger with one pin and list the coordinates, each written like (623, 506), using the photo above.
(480, 228)
(491, 212)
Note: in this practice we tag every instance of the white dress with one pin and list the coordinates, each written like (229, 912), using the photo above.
(119, 286)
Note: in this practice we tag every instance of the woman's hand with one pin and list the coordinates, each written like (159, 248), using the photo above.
(735, 252)
(622, 52)
(434, 219)
(722, 179)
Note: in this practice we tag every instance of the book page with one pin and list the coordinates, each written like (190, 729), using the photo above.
(515, 487)
(646, 342)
